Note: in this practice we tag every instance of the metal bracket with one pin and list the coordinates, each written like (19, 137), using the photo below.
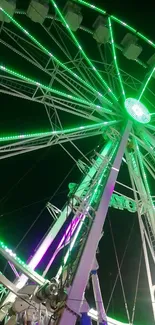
(53, 210)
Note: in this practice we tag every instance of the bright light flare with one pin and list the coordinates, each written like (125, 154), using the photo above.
(94, 315)
(137, 110)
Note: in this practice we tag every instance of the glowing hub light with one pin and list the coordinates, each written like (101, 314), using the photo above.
(137, 110)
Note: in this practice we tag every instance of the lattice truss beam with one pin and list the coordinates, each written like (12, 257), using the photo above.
(91, 88)
(79, 206)
(88, 85)
(82, 204)
(35, 141)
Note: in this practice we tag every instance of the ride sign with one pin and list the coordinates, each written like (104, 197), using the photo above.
(122, 202)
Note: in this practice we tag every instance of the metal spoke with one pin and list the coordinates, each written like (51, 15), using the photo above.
(115, 59)
(49, 53)
(49, 89)
(146, 83)
(122, 23)
(150, 127)
(91, 86)
(31, 142)
(83, 52)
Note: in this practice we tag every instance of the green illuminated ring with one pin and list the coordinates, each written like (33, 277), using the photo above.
(119, 21)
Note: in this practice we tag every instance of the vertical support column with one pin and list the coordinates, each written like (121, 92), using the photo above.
(102, 318)
(76, 292)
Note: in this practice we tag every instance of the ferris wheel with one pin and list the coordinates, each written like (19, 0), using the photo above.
(88, 69)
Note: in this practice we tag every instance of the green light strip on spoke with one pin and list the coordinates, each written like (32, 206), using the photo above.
(20, 262)
(52, 90)
(115, 58)
(82, 51)
(147, 81)
(51, 133)
(143, 172)
(45, 50)
(87, 4)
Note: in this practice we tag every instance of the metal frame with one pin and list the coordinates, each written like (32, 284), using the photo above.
(76, 292)
(11, 85)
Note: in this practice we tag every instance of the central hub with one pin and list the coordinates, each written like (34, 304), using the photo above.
(137, 110)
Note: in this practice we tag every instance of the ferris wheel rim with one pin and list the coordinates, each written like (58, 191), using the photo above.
(68, 28)
(132, 135)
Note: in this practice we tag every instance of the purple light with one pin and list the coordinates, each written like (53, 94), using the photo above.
(64, 241)
(13, 269)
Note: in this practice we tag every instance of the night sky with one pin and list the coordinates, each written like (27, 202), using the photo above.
(30, 180)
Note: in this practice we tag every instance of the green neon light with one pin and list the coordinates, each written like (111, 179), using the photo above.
(146, 39)
(52, 90)
(82, 51)
(51, 133)
(137, 110)
(133, 30)
(149, 143)
(19, 262)
(115, 58)
(50, 54)
(144, 174)
(103, 12)
(147, 81)
(87, 4)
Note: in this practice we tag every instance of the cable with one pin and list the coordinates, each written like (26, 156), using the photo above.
(121, 263)
(5, 198)
(119, 271)
(25, 206)
(69, 154)
(53, 195)
(34, 165)
(49, 198)
(75, 165)
(137, 284)
(38, 216)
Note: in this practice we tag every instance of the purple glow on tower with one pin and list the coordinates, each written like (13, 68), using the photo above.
(64, 241)
(13, 269)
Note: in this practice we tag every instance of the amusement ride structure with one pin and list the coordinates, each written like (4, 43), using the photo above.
(89, 70)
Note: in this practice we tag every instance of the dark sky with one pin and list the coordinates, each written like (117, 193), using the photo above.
(30, 180)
